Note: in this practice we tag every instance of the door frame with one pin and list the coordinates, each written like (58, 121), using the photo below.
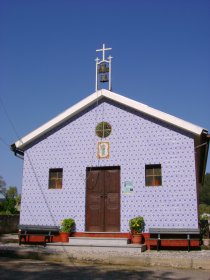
(117, 167)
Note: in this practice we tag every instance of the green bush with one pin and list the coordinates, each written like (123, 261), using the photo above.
(136, 224)
(67, 225)
(204, 226)
(204, 208)
(8, 206)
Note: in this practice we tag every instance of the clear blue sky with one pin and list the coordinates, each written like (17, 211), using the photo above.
(161, 53)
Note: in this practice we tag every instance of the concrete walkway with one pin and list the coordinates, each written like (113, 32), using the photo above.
(63, 252)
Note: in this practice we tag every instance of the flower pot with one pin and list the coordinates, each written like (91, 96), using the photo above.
(64, 236)
(137, 238)
(206, 242)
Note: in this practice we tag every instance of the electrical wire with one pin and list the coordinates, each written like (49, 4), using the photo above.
(33, 213)
(8, 118)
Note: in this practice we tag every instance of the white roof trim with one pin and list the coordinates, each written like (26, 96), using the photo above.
(80, 106)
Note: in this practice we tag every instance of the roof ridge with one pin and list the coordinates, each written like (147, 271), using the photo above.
(89, 100)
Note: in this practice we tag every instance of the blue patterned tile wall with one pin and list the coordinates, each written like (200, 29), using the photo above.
(136, 140)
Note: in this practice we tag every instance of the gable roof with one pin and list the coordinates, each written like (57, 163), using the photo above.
(80, 106)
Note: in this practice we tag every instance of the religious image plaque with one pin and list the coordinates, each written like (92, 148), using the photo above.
(128, 187)
(103, 150)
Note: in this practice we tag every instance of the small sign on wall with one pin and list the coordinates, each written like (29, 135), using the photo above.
(103, 150)
(128, 187)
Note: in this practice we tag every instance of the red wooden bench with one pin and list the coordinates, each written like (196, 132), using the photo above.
(173, 237)
(27, 231)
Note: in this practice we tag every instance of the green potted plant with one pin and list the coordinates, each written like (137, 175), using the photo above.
(204, 228)
(66, 227)
(136, 226)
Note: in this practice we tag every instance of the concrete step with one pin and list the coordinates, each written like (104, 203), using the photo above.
(98, 241)
(99, 248)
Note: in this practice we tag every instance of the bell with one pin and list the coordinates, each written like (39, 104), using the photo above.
(103, 68)
(104, 78)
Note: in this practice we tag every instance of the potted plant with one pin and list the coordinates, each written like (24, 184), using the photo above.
(204, 228)
(136, 227)
(66, 227)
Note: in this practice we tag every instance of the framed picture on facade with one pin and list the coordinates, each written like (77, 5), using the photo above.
(103, 150)
(128, 187)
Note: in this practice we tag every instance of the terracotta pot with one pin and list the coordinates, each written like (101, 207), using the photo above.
(206, 242)
(64, 236)
(137, 238)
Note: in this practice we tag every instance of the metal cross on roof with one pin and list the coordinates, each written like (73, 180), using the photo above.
(103, 51)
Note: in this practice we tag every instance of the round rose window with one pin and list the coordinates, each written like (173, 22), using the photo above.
(103, 129)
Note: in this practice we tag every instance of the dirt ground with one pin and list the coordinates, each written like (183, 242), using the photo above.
(26, 269)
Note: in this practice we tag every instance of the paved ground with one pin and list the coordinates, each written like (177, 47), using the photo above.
(11, 269)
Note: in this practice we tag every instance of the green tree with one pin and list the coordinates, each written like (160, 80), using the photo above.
(9, 206)
(204, 196)
(2, 186)
(204, 208)
(11, 193)
(205, 190)
(18, 199)
(12, 199)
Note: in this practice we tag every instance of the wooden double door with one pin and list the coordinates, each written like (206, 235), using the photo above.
(103, 200)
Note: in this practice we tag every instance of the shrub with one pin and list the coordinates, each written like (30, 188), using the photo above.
(67, 225)
(136, 224)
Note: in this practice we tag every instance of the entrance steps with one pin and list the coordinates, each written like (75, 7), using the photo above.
(98, 241)
(107, 243)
